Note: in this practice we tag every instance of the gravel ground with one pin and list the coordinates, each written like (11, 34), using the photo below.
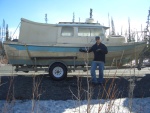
(44, 88)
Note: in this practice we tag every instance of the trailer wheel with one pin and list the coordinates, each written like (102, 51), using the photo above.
(58, 71)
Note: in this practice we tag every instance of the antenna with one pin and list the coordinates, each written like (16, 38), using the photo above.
(113, 27)
(109, 23)
(91, 10)
(7, 32)
(73, 17)
(129, 38)
(46, 18)
(121, 30)
(79, 19)
(3, 30)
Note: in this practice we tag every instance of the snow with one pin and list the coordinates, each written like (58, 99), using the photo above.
(139, 105)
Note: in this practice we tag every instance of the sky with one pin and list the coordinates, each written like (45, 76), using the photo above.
(62, 10)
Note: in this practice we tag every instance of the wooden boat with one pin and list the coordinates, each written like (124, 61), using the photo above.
(42, 44)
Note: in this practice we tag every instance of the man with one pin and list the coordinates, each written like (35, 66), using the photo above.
(99, 50)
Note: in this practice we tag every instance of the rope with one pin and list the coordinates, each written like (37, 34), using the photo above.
(16, 29)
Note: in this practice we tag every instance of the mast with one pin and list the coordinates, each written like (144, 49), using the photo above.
(46, 18)
(7, 32)
(3, 30)
(91, 10)
(121, 30)
(73, 17)
(113, 27)
(129, 37)
(109, 23)
(90, 19)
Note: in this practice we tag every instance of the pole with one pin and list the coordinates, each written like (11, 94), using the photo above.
(109, 24)
(129, 38)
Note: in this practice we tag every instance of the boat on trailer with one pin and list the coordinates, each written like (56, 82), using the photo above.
(56, 47)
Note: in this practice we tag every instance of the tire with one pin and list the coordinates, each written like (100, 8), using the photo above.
(58, 71)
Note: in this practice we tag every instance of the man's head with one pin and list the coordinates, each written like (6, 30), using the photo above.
(98, 39)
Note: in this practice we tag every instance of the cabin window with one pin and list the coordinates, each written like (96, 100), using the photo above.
(83, 32)
(96, 32)
(89, 32)
(67, 31)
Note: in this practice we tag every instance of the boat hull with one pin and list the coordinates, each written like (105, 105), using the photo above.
(19, 54)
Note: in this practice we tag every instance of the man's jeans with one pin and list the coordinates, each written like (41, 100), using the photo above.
(93, 73)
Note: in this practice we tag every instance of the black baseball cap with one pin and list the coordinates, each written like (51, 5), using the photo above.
(97, 38)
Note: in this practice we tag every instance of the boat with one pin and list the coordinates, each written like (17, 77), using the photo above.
(56, 46)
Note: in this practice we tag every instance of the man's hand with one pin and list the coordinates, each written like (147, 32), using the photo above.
(81, 50)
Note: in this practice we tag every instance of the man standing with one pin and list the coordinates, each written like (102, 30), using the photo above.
(99, 50)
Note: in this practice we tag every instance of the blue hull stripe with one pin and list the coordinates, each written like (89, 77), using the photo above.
(64, 49)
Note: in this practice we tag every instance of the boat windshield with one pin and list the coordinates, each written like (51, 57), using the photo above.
(87, 32)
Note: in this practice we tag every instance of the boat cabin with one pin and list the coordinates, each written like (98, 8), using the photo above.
(62, 33)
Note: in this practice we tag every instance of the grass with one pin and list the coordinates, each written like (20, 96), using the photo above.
(111, 93)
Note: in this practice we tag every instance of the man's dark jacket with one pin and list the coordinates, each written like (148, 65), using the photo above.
(99, 51)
